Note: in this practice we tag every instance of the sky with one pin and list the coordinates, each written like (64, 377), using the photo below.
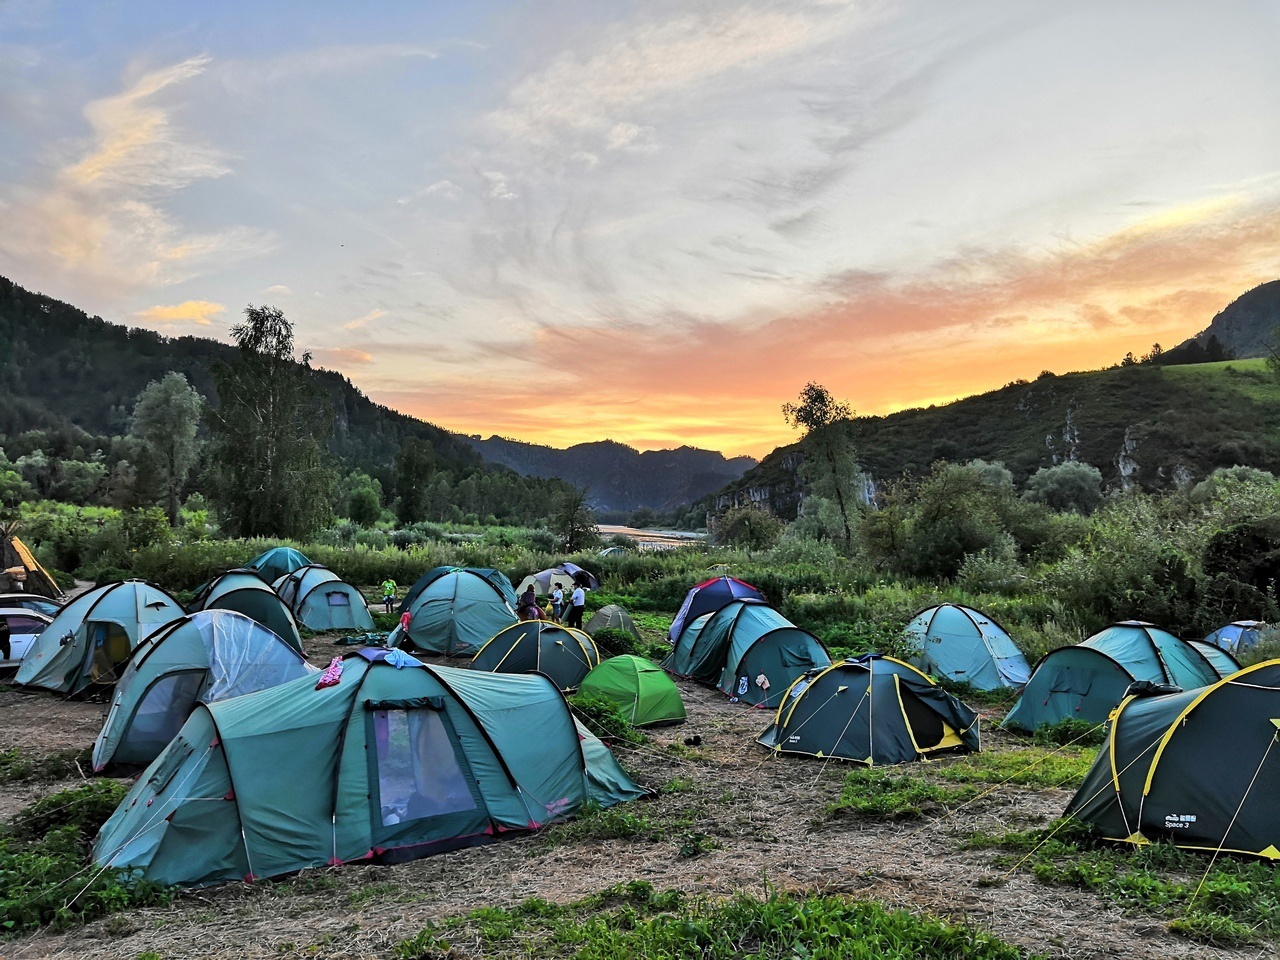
(652, 222)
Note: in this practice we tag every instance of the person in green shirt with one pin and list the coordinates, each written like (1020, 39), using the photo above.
(388, 593)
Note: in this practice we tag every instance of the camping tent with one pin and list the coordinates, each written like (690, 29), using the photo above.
(21, 571)
(1238, 637)
(1194, 768)
(206, 656)
(244, 592)
(392, 762)
(708, 597)
(1224, 664)
(612, 617)
(957, 643)
(276, 562)
(94, 634)
(568, 575)
(455, 610)
(759, 667)
(701, 654)
(321, 601)
(640, 689)
(1086, 681)
(873, 710)
(564, 654)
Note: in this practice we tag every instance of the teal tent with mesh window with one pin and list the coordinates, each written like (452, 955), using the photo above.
(322, 601)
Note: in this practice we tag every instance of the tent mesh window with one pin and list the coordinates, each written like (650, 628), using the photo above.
(337, 599)
(160, 715)
(419, 773)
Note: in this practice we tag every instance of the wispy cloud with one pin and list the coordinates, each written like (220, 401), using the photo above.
(198, 312)
(367, 318)
(279, 290)
(343, 356)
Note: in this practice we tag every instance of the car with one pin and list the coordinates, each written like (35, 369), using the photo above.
(24, 626)
(30, 601)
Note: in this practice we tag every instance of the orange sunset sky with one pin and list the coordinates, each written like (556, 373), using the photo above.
(653, 223)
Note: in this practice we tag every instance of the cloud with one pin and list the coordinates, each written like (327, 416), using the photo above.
(444, 188)
(279, 290)
(247, 76)
(359, 322)
(340, 356)
(102, 220)
(198, 312)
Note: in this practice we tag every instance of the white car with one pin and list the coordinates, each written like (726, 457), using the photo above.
(24, 626)
(30, 601)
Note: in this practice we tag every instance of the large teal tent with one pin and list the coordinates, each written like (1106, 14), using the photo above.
(700, 654)
(1198, 769)
(958, 643)
(394, 761)
(205, 656)
(321, 601)
(245, 593)
(276, 562)
(455, 611)
(92, 636)
(760, 665)
(564, 654)
(1087, 681)
(873, 710)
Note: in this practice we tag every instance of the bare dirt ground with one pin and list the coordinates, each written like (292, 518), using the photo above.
(766, 815)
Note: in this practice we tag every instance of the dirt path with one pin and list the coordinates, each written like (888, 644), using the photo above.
(765, 814)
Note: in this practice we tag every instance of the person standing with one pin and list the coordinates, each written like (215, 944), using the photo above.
(557, 602)
(6, 635)
(388, 594)
(577, 604)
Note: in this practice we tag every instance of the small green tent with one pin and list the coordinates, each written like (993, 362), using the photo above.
(244, 592)
(92, 637)
(273, 564)
(321, 601)
(612, 617)
(205, 656)
(455, 610)
(965, 645)
(873, 710)
(390, 761)
(640, 689)
(1088, 680)
(564, 654)
(1199, 769)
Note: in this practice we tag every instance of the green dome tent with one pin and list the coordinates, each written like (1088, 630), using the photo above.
(564, 654)
(321, 601)
(759, 667)
(205, 656)
(1199, 769)
(961, 644)
(93, 636)
(874, 710)
(244, 592)
(640, 689)
(1087, 681)
(276, 563)
(455, 610)
(612, 617)
(392, 762)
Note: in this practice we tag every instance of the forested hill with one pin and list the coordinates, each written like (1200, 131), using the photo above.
(1246, 327)
(619, 477)
(61, 369)
(1144, 426)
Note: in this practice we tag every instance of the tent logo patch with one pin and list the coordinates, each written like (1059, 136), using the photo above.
(1179, 821)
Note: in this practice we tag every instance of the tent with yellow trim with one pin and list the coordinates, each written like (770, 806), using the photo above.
(874, 710)
(1198, 768)
(22, 571)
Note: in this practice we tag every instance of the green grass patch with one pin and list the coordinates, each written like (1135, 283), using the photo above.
(634, 920)
(47, 878)
(873, 792)
(1237, 904)
(19, 766)
(1064, 767)
(1071, 732)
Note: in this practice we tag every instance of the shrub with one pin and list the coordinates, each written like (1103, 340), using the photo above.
(604, 719)
(618, 642)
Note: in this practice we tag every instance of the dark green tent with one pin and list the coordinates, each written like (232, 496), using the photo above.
(394, 761)
(1198, 768)
(612, 617)
(874, 710)
(640, 689)
(564, 654)
(275, 563)
(243, 592)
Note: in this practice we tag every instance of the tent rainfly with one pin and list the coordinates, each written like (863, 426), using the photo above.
(708, 597)
(640, 689)
(321, 601)
(1238, 637)
(961, 644)
(273, 564)
(244, 592)
(612, 617)
(568, 575)
(564, 654)
(455, 610)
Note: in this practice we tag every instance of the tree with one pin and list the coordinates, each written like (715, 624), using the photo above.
(268, 434)
(575, 521)
(415, 464)
(830, 457)
(748, 527)
(1071, 486)
(165, 418)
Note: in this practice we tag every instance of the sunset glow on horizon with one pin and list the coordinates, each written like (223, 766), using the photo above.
(573, 221)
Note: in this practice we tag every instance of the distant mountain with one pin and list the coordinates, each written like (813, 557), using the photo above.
(1244, 328)
(1145, 427)
(62, 369)
(620, 477)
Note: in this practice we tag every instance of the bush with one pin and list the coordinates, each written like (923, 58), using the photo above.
(618, 642)
(604, 719)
